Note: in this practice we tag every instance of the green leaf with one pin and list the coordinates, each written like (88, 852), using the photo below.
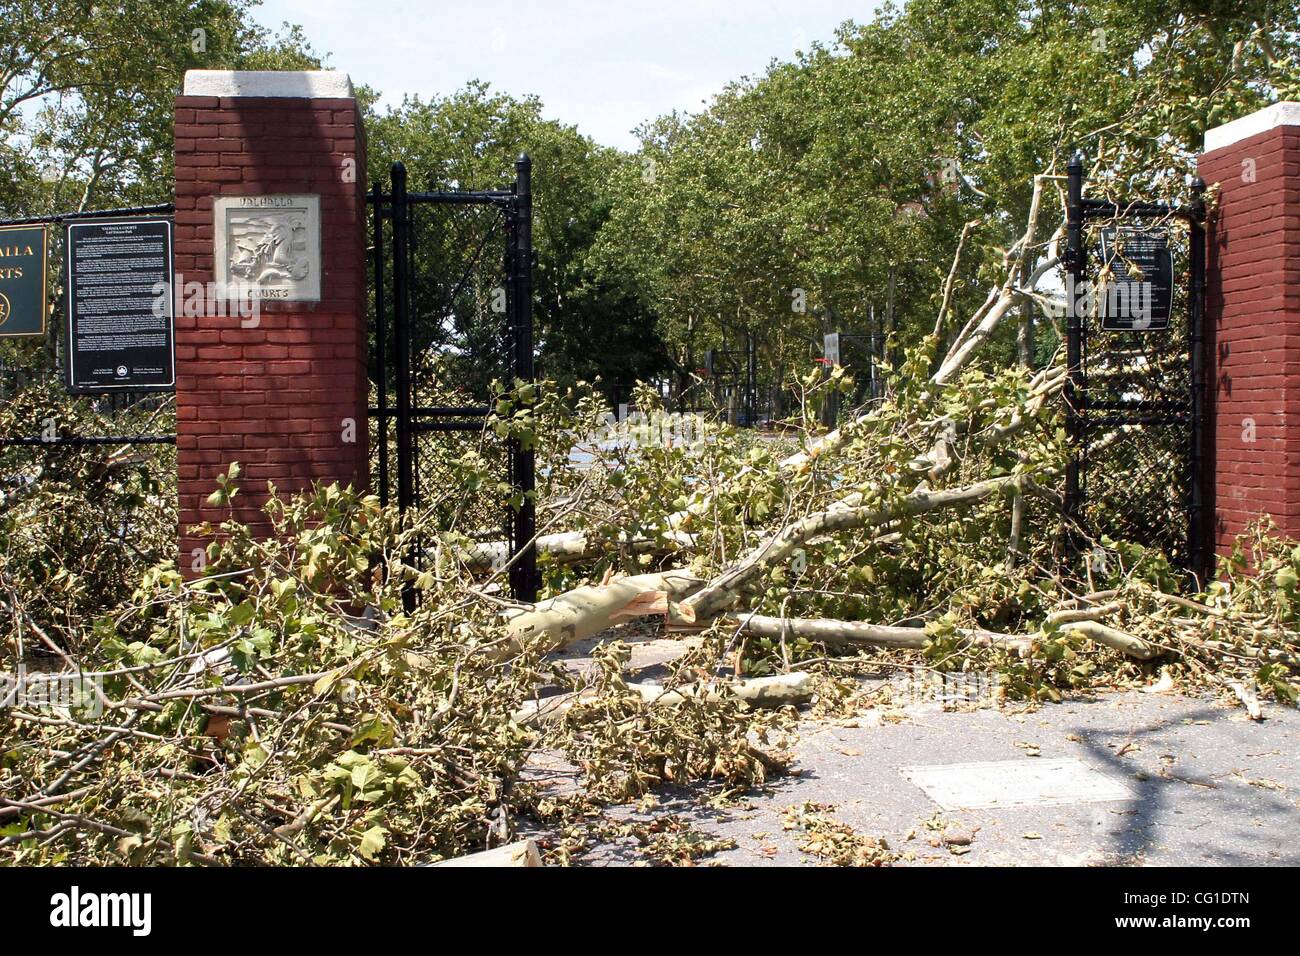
(372, 843)
(242, 613)
(374, 729)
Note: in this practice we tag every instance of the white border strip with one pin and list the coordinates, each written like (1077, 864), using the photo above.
(1286, 113)
(302, 84)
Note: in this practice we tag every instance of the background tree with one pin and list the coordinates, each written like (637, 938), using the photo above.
(86, 93)
(850, 172)
(588, 323)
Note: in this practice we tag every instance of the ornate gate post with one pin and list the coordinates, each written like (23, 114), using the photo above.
(1252, 309)
(271, 342)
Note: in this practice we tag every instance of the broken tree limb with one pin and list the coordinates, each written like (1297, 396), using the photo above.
(574, 546)
(1072, 615)
(1044, 386)
(1248, 699)
(773, 691)
(951, 281)
(1120, 641)
(571, 547)
(981, 327)
(725, 589)
(843, 633)
(569, 617)
(523, 853)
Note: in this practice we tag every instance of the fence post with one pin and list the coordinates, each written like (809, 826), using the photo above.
(523, 573)
(402, 337)
(381, 341)
(1075, 265)
(1199, 549)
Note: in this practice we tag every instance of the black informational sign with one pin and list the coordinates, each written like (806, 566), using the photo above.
(1140, 293)
(24, 292)
(121, 312)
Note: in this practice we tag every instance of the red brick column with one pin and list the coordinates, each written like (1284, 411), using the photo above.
(1253, 312)
(274, 393)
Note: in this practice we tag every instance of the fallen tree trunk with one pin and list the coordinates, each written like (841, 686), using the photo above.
(845, 633)
(523, 853)
(590, 609)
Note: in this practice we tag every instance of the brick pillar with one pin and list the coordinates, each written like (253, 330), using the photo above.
(273, 393)
(1253, 311)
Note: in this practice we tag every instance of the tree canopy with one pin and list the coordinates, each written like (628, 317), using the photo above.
(835, 187)
(86, 93)
(588, 324)
(827, 193)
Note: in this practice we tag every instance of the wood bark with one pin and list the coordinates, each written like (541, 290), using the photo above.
(569, 617)
(724, 589)
(523, 853)
(773, 691)
(835, 633)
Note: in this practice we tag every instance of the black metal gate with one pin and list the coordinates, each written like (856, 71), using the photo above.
(1135, 397)
(453, 274)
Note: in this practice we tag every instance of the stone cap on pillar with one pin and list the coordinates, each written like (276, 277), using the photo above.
(300, 84)
(1285, 113)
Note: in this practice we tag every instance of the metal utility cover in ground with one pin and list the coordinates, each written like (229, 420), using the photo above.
(1027, 782)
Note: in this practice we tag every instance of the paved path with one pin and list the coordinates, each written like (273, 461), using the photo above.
(1192, 781)
(1197, 782)
(1206, 785)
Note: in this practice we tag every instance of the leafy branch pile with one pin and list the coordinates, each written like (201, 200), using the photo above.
(287, 708)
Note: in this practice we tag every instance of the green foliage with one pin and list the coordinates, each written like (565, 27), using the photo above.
(849, 173)
(77, 523)
(588, 325)
(88, 93)
(287, 707)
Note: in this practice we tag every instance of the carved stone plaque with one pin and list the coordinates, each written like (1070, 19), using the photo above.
(268, 247)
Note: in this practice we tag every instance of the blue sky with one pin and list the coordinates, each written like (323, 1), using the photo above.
(604, 66)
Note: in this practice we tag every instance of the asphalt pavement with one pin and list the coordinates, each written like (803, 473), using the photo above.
(1121, 778)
